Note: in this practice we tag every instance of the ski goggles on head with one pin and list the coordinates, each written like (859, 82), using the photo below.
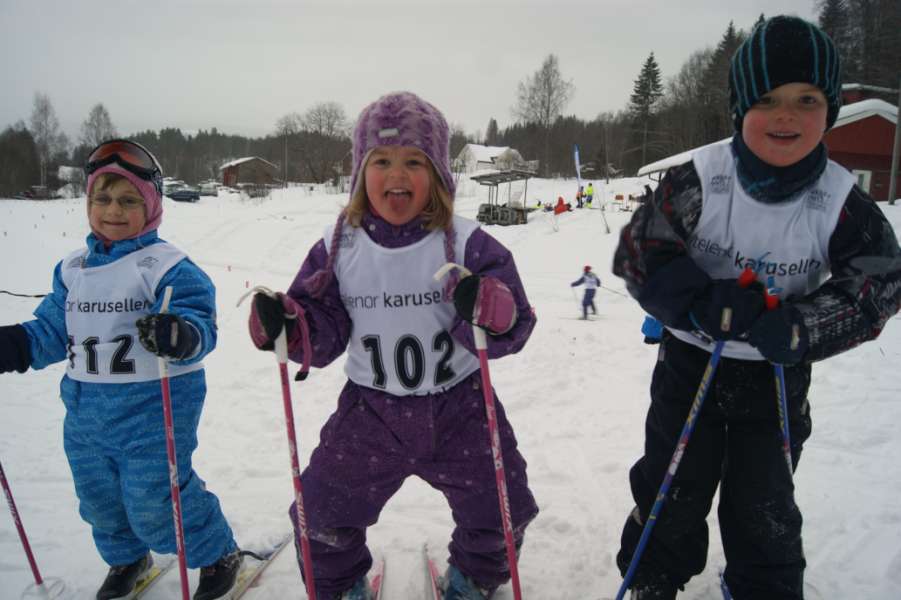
(130, 156)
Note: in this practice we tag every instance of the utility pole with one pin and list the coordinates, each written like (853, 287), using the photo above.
(606, 158)
(286, 158)
(896, 153)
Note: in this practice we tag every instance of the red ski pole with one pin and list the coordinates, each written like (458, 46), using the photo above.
(481, 343)
(47, 588)
(173, 465)
(24, 538)
(281, 355)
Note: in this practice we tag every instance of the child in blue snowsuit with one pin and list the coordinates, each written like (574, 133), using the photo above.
(104, 318)
(769, 201)
(413, 403)
(591, 283)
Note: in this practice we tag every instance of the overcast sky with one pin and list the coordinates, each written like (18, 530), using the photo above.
(240, 65)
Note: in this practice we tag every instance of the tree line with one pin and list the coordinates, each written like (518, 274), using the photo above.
(688, 110)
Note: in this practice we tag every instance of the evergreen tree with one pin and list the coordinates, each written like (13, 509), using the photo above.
(645, 94)
(491, 133)
(716, 85)
(20, 162)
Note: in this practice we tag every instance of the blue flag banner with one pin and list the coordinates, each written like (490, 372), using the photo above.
(578, 168)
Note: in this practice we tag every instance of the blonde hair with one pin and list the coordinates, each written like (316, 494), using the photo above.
(438, 212)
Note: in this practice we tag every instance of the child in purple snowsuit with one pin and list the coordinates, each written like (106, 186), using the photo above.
(413, 402)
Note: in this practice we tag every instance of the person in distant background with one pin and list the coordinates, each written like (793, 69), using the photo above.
(589, 194)
(591, 283)
(561, 206)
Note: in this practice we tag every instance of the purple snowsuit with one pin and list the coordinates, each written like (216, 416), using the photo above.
(375, 440)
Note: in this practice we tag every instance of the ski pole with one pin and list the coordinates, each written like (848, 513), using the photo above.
(772, 303)
(41, 588)
(746, 278)
(782, 409)
(20, 528)
(281, 356)
(481, 343)
(689, 426)
(173, 465)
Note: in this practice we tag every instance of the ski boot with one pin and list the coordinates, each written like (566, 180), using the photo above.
(654, 591)
(218, 578)
(121, 579)
(458, 586)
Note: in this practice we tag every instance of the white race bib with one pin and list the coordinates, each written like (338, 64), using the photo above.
(400, 339)
(785, 244)
(102, 306)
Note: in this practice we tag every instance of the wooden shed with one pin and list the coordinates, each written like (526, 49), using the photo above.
(251, 169)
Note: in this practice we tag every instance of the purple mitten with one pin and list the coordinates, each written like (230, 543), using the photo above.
(486, 302)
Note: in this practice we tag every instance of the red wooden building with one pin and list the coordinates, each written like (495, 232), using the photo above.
(861, 141)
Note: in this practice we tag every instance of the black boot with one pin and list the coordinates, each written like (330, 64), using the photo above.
(654, 591)
(218, 578)
(121, 579)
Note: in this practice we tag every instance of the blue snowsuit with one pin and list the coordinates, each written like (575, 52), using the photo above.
(114, 434)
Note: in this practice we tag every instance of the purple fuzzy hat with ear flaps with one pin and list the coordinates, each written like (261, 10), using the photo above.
(403, 119)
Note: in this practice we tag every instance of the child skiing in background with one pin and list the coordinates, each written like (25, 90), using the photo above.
(589, 194)
(412, 404)
(771, 202)
(103, 315)
(591, 283)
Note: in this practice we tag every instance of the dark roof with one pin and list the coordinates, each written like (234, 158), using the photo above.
(502, 177)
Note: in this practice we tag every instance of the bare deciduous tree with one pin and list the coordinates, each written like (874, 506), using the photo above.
(98, 127)
(48, 138)
(541, 99)
(326, 118)
(288, 124)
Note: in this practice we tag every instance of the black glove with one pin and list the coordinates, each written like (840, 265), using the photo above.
(15, 354)
(746, 305)
(167, 335)
(781, 336)
(268, 316)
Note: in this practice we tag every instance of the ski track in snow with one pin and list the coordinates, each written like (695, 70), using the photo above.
(576, 395)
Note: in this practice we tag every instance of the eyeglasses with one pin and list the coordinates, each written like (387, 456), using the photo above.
(124, 202)
(130, 156)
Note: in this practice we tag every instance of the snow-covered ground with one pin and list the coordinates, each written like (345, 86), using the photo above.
(576, 395)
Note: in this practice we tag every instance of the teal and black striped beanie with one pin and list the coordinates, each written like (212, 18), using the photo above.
(784, 50)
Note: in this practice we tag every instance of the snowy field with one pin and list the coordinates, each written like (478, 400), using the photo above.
(576, 395)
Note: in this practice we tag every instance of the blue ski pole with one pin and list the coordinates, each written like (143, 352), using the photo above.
(746, 278)
(772, 303)
(673, 466)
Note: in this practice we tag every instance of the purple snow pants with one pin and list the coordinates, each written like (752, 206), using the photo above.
(373, 442)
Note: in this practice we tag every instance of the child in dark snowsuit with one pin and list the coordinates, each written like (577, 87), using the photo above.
(591, 283)
(770, 201)
(104, 317)
(413, 403)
